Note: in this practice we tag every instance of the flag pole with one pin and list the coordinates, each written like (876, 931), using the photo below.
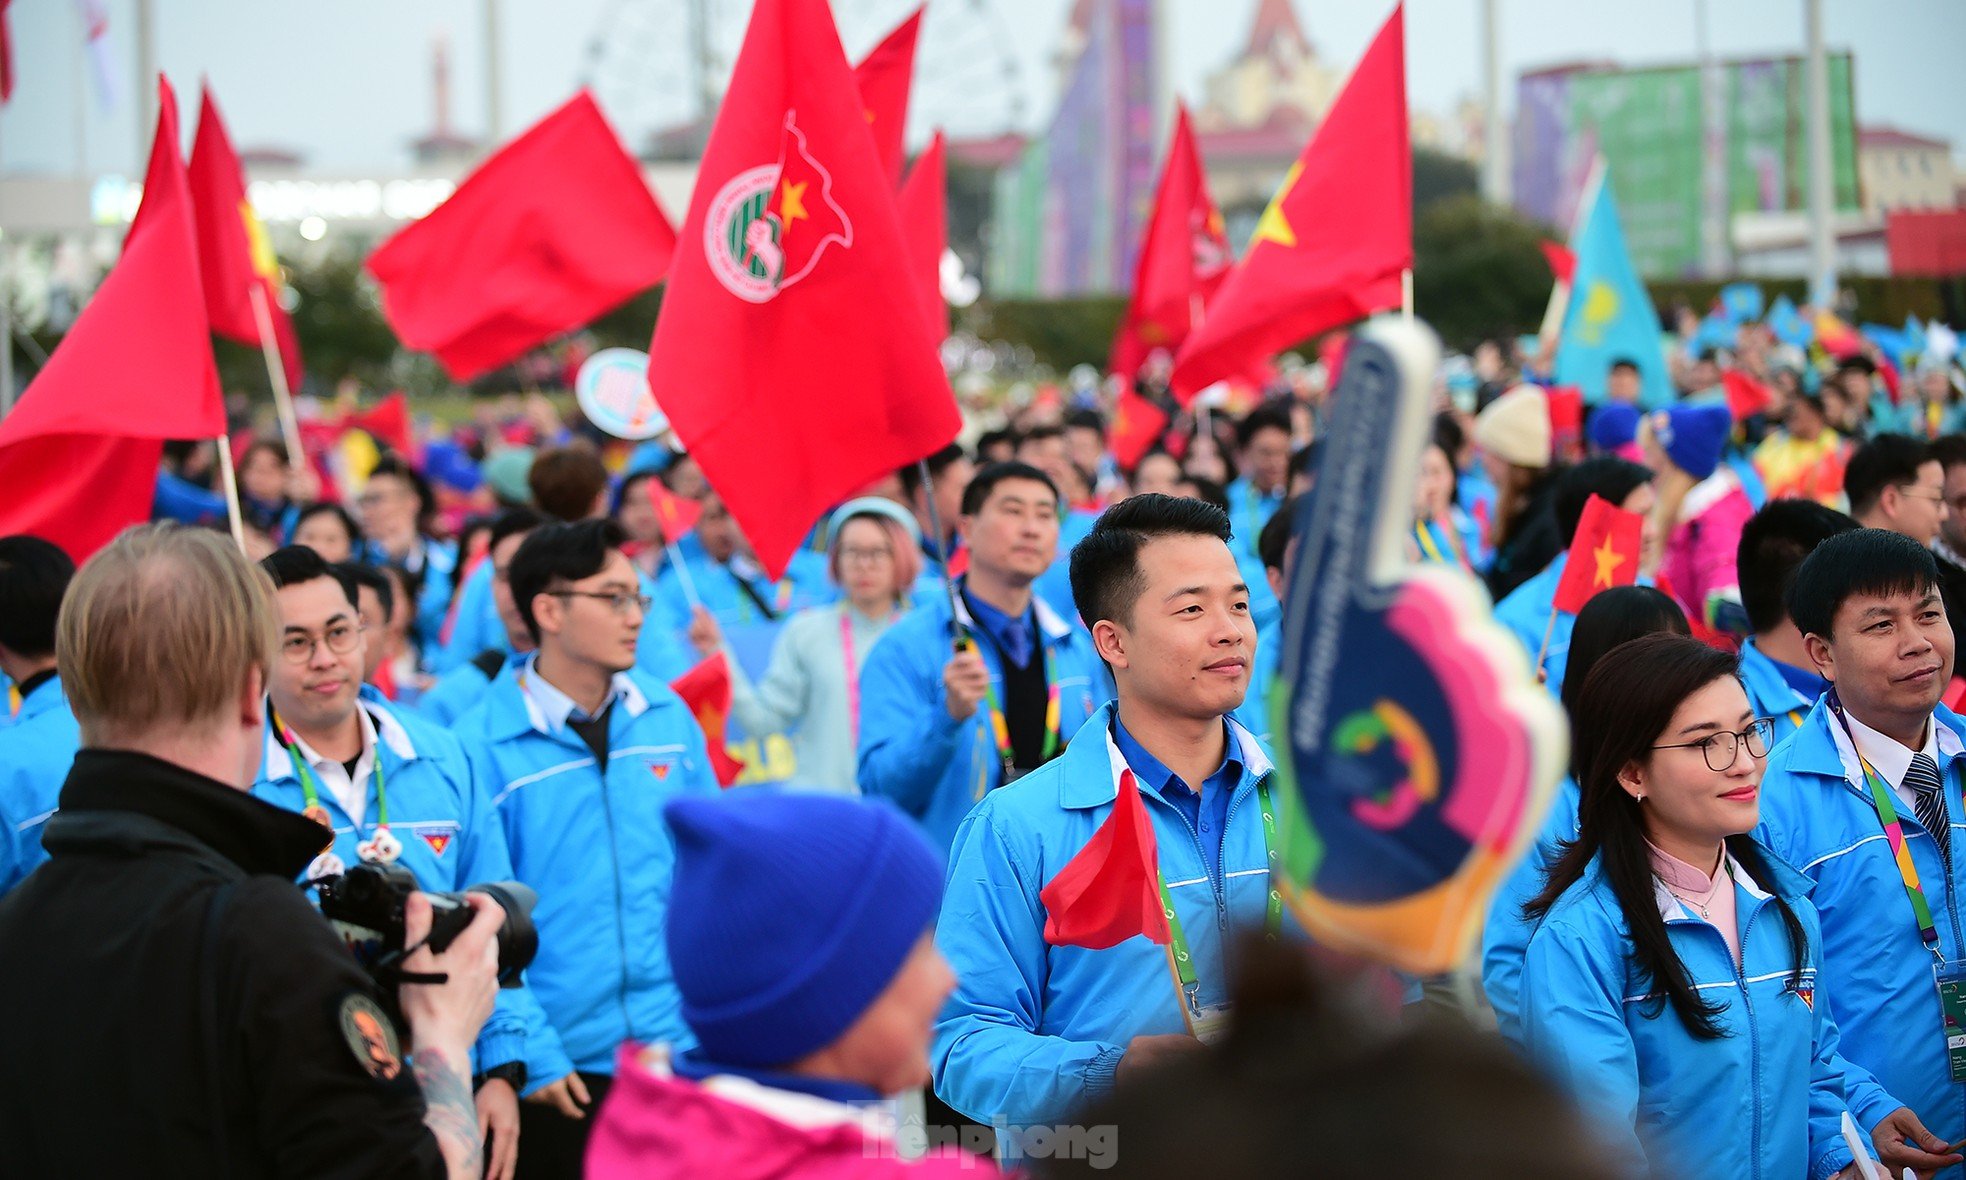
(1406, 294)
(231, 480)
(1543, 652)
(276, 372)
(689, 582)
(941, 551)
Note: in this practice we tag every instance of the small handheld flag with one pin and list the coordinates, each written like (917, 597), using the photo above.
(706, 690)
(1603, 554)
(1110, 890)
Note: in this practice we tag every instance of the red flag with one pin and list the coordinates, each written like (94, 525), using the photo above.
(706, 690)
(676, 514)
(1137, 425)
(79, 452)
(1184, 257)
(1109, 891)
(234, 255)
(556, 228)
(1563, 263)
(1566, 409)
(6, 63)
(793, 320)
(1746, 397)
(883, 78)
(1603, 554)
(1332, 244)
(924, 212)
(388, 422)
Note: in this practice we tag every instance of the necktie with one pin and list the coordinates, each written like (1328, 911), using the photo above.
(1922, 780)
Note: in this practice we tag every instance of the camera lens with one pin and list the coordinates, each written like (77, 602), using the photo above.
(518, 938)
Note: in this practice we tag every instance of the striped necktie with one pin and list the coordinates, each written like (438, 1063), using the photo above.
(1922, 780)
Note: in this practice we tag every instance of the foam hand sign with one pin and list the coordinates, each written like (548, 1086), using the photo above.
(1417, 754)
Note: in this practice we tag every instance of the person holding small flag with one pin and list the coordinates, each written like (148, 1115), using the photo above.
(953, 706)
(723, 579)
(389, 790)
(1616, 551)
(580, 749)
(1158, 821)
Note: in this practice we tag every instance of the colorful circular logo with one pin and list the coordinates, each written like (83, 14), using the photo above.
(1360, 733)
(613, 390)
(739, 240)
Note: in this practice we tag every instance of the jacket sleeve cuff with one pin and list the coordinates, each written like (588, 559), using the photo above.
(1102, 1069)
(500, 1048)
(546, 1062)
(1870, 1105)
(1832, 1160)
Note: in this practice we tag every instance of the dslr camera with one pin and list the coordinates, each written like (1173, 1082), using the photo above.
(366, 904)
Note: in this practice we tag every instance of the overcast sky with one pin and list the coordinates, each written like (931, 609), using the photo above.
(349, 83)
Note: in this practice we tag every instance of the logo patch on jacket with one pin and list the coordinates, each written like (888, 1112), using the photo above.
(370, 1036)
(438, 841)
(660, 770)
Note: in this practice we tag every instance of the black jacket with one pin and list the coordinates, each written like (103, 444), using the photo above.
(137, 1043)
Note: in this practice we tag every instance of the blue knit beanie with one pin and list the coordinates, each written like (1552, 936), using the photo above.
(1693, 436)
(790, 913)
(1614, 425)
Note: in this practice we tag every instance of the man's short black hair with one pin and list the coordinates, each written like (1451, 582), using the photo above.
(294, 564)
(364, 574)
(1950, 450)
(1861, 561)
(1085, 420)
(1773, 543)
(1041, 434)
(1449, 435)
(1623, 362)
(330, 508)
(1606, 477)
(34, 574)
(1209, 492)
(511, 521)
(1274, 540)
(1106, 578)
(986, 481)
(1887, 460)
(426, 500)
(1268, 416)
(559, 551)
(910, 474)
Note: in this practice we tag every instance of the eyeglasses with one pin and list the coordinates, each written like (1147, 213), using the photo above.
(1922, 494)
(619, 600)
(858, 556)
(1723, 749)
(340, 638)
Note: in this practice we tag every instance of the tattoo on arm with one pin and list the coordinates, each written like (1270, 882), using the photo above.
(450, 1112)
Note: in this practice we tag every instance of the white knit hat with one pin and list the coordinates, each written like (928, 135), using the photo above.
(1516, 427)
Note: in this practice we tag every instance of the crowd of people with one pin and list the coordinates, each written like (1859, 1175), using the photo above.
(456, 658)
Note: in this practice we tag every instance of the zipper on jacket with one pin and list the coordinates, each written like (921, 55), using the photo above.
(1754, 1032)
(620, 919)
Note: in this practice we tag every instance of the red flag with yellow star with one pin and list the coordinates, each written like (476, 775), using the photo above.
(1184, 258)
(1332, 244)
(706, 690)
(234, 256)
(1603, 554)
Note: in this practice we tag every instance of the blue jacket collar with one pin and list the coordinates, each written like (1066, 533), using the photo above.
(390, 737)
(1821, 748)
(1052, 627)
(509, 712)
(1091, 766)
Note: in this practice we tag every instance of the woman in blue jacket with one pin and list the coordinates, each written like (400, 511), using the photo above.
(1671, 980)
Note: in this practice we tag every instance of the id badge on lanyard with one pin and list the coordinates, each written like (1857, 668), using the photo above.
(1950, 976)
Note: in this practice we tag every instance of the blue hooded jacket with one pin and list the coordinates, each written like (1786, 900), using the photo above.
(35, 753)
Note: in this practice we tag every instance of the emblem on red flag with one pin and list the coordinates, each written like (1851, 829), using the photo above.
(768, 226)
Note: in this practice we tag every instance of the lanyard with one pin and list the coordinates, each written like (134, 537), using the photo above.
(1000, 726)
(313, 808)
(852, 681)
(1894, 833)
(1184, 965)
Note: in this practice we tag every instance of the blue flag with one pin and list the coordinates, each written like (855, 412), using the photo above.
(1717, 330)
(1788, 325)
(1610, 315)
(1892, 341)
(1743, 302)
(1914, 335)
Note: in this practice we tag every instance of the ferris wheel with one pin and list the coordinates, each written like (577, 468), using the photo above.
(657, 64)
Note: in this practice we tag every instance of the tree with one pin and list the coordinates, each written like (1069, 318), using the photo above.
(1477, 272)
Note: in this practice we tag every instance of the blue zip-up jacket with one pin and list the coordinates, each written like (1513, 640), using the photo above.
(1526, 613)
(46, 697)
(442, 816)
(932, 766)
(1817, 814)
(456, 691)
(1505, 936)
(1770, 694)
(475, 626)
(1055, 584)
(438, 569)
(35, 754)
(596, 850)
(1764, 1102)
(1033, 1030)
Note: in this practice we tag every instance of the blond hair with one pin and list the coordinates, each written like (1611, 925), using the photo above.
(160, 630)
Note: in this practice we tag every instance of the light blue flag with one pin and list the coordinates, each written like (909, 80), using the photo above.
(1892, 341)
(1914, 335)
(1610, 316)
(1743, 301)
(1788, 325)
(1716, 331)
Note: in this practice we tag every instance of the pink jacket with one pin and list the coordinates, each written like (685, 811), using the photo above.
(1700, 552)
(655, 1125)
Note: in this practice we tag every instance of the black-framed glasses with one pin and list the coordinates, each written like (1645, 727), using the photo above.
(1723, 749)
(618, 600)
(340, 638)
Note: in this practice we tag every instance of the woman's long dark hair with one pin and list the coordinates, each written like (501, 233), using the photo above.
(1626, 702)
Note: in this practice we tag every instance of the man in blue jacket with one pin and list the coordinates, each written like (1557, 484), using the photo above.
(940, 727)
(1874, 768)
(581, 750)
(39, 737)
(723, 577)
(1781, 681)
(462, 686)
(1036, 1028)
(389, 790)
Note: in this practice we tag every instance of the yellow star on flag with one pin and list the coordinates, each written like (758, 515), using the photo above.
(1608, 561)
(1273, 227)
(792, 201)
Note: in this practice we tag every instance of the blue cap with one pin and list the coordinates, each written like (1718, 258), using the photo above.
(790, 913)
(1614, 425)
(1693, 437)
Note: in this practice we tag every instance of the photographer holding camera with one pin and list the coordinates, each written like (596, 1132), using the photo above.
(176, 1006)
